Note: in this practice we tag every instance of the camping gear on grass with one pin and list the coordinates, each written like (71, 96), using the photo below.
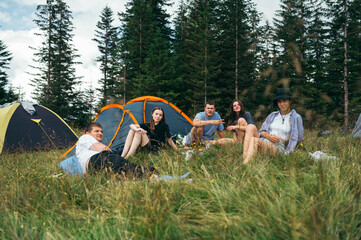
(319, 155)
(324, 133)
(357, 130)
(178, 121)
(26, 126)
(71, 166)
(174, 178)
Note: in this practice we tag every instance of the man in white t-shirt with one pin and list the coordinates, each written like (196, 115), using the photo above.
(95, 156)
(205, 125)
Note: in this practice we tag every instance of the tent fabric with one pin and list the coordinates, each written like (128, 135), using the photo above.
(115, 121)
(5, 115)
(43, 130)
(357, 130)
(116, 125)
(28, 106)
(178, 121)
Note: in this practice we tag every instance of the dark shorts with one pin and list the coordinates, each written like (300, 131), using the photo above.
(152, 146)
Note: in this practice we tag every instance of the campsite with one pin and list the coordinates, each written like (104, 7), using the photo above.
(172, 119)
(292, 197)
(295, 196)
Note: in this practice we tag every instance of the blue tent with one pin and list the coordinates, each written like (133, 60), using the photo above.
(115, 121)
(141, 108)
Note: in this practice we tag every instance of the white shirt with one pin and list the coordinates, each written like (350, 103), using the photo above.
(281, 126)
(83, 152)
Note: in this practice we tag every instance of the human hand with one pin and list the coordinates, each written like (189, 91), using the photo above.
(273, 138)
(142, 131)
(106, 148)
(230, 128)
(153, 176)
(218, 122)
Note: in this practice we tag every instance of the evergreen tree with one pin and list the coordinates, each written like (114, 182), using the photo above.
(107, 39)
(291, 31)
(55, 81)
(157, 70)
(132, 42)
(202, 53)
(180, 54)
(145, 40)
(267, 77)
(338, 62)
(354, 59)
(159, 74)
(85, 107)
(6, 95)
(239, 30)
(315, 63)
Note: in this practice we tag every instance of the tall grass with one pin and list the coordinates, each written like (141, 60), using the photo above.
(285, 197)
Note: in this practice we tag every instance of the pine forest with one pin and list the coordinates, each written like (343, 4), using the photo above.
(210, 50)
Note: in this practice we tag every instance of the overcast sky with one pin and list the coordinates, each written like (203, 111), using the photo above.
(17, 32)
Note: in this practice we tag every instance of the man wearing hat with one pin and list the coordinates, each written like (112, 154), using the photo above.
(280, 133)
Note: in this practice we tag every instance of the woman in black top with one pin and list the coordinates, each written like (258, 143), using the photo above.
(239, 119)
(153, 135)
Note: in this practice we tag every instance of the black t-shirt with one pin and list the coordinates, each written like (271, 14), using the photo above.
(248, 117)
(159, 135)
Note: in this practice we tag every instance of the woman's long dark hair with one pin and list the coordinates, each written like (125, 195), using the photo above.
(152, 125)
(233, 115)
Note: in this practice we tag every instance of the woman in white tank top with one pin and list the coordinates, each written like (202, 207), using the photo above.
(280, 133)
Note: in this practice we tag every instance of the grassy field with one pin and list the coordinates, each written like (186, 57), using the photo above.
(291, 197)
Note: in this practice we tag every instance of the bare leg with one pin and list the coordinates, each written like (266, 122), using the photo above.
(251, 150)
(197, 134)
(223, 141)
(257, 144)
(268, 148)
(251, 131)
(235, 138)
(128, 142)
(138, 140)
(242, 125)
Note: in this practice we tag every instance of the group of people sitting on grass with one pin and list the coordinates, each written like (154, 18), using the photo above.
(280, 133)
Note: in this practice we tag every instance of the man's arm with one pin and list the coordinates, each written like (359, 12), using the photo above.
(99, 147)
(220, 133)
(200, 123)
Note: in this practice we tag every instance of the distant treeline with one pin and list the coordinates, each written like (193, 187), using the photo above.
(212, 50)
